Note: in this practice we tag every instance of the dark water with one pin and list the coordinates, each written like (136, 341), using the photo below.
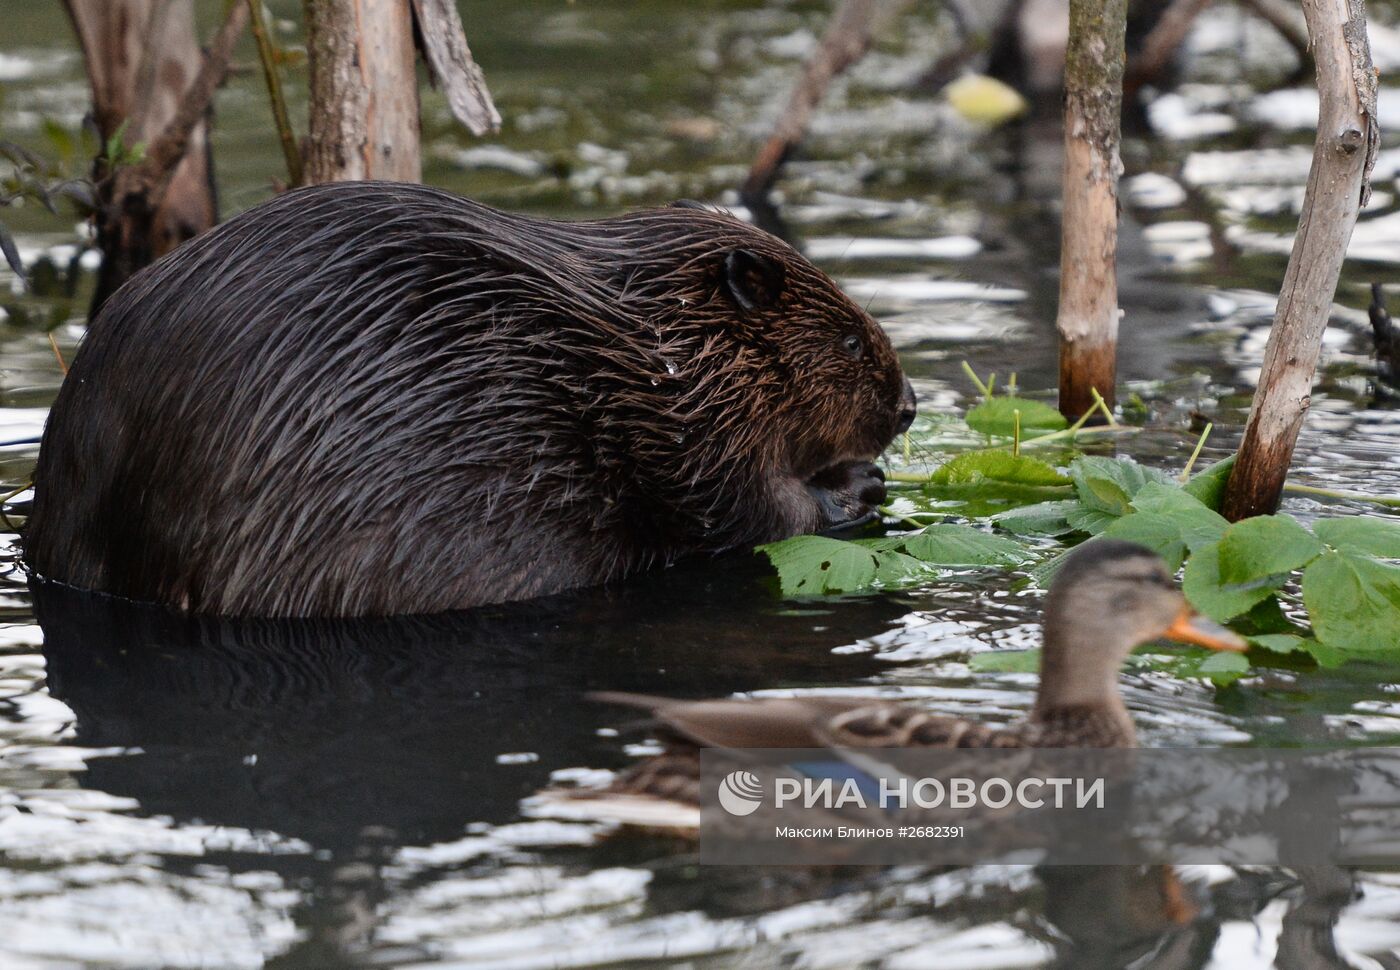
(187, 794)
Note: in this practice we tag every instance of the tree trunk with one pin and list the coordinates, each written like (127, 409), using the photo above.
(364, 91)
(1347, 136)
(1088, 316)
(140, 56)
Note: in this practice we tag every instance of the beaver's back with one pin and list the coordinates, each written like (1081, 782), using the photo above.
(375, 398)
(301, 394)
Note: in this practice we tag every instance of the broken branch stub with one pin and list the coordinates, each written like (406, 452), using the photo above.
(452, 66)
(1088, 312)
(1338, 186)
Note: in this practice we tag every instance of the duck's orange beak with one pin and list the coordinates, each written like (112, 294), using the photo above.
(1190, 627)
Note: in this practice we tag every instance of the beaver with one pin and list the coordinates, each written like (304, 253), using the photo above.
(381, 398)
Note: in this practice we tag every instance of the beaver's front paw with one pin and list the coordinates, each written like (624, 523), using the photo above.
(848, 494)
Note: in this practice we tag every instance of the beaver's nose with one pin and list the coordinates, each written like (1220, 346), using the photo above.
(908, 407)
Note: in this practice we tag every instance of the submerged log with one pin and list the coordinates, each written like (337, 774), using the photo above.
(1088, 314)
(1338, 186)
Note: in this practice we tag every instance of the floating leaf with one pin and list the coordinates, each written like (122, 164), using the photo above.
(984, 99)
(1286, 643)
(1366, 534)
(1279, 642)
(1224, 668)
(1043, 519)
(990, 482)
(997, 466)
(960, 545)
(1005, 662)
(997, 416)
(1109, 484)
(1208, 485)
(1265, 546)
(1221, 669)
(1211, 595)
(1043, 572)
(811, 565)
(1353, 602)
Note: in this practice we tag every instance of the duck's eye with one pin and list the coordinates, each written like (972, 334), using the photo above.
(851, 344)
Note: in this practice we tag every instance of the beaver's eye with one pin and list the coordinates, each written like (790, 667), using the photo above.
(851, 344)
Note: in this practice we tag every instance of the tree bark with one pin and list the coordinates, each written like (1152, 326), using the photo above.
(453, 69)
(1088, 315)
(130, 198)
(1338, 186)
(364, 91)
(140, 56)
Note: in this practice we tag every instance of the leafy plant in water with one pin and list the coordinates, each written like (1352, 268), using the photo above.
(1336, 572)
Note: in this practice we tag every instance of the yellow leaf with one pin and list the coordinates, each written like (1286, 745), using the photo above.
(984, 100)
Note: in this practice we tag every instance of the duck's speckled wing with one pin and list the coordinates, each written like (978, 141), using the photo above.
(882, 725)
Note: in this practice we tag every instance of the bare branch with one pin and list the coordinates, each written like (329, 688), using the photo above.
(452, 66)
(1347, 135)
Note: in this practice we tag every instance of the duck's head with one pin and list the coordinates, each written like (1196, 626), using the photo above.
(1109, 597)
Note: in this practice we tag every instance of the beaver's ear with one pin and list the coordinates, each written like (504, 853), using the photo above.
(752, 280)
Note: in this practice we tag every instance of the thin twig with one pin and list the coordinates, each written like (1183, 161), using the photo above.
(913, 523)
(58, 354)
(972, 375)
(164, 152)
(268, 55)
(1102, 406)
(1200, 443)
(1390, 501)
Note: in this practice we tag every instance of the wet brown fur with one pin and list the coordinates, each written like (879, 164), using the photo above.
(377, 398)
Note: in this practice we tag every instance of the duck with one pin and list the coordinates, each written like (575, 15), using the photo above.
(1107, 598)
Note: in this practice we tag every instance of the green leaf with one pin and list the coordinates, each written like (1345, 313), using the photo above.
(990, 482)
(1198, 525)
(1109, 484)
(1353, 602)
(960, 545)
(1157, 532)
(997, 466)
(1366, 534)
(1266, 616)
(60, 139)
(1043, 572)
(996, 416)
(814, 564)
(1286, 643)
(1265, 546)
(1224, 668)
(1092, 521)
(1212, 595)
(1005, 662)
(1208, 485)
(1280, 642)
(1169, 522)
(1043, 519)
